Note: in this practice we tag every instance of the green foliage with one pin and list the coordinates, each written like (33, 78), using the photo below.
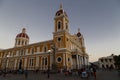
(117, 60)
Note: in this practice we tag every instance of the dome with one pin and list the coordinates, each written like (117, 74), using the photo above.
(60, 11)
(23, 34)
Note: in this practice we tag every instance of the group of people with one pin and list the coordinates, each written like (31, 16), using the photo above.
(88, 72)
(83, 72)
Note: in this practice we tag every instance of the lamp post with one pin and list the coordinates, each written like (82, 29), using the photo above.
(48, 71)
(54, 52)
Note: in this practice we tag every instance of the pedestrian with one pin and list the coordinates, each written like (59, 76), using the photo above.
(26, 73)
(48, 72)
(88, 72)
(94, 72)
(84, 73)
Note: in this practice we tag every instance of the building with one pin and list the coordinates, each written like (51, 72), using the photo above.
(64, 51)
(106, 62)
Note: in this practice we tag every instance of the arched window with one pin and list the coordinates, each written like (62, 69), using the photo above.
(58, 14)
(45, 61)
(66, 26)
(32, 51)
(44, 49)
(59, 25)
(42, 61)
(22, 52)
(25, 42)
(19, 42)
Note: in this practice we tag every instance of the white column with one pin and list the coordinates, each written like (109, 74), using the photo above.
(63, 59)
(66, 59)
(37, 62)
(41, 63)
(15, 64)
(77, 61)
(82, 61)
(71, 62)
(25, 63)
(51, 61)
(26, 53)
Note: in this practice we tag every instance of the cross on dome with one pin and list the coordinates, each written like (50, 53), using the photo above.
(23, 30)
(78, 29)
(61, 6)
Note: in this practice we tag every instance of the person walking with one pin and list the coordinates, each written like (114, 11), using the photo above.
(26, 74)
(94, 72)
(48, 73)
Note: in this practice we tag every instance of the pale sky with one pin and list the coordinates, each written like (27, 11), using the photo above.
(98, 20)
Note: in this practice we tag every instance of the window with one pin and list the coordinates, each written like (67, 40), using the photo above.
(66, 26)
(25, 42)
(59, 39)
(59, 25)
(31, 62)
(42, 61)
(58, 14)
(22, 52)
(68, 59)
(32, 50)
(110, 60)
(45, 49)
(19, 42)
(101, 60)
(67, 39)
(59, 59)
(38, 49)
(45, 61)
(106, 60)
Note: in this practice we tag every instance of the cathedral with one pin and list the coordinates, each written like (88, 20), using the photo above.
(64, 51)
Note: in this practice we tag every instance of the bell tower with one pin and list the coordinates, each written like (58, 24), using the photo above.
(61, 20)
(61, 28)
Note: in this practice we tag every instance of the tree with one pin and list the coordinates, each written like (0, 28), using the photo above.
(117, 61)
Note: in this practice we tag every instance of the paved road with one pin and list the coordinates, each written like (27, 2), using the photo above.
(101, 75)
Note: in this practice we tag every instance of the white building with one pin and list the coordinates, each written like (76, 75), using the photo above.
(106, 62)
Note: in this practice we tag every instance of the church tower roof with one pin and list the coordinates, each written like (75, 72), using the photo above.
(60, 11)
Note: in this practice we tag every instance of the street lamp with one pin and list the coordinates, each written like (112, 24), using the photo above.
(48, 71)
(54, 51)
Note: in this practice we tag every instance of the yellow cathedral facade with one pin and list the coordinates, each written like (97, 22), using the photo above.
(65, 50)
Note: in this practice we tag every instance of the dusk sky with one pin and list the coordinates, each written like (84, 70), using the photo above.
(98, 20)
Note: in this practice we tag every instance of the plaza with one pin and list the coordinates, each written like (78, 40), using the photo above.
(101, 75)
